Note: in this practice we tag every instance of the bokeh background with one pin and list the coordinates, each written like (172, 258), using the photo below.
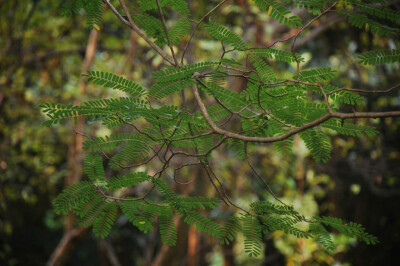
(42, 58)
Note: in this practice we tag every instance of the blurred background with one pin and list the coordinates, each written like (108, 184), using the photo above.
(42, 58)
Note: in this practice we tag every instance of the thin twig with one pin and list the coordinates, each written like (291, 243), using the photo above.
(269, 188)
(259, 177)
(135, 28)
(300, 31)
(197, 25)
(166, 32)
(364, 91)
(223, 190)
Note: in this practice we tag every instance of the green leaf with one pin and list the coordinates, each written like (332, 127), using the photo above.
(88, 211)
(342, 96)
(252, 234)
(229, 231)
(160, 90)
(94, 12)
(112, 142)
(378, 11)
(93, 9)
(168, 230)
(135, 150)
(271, 53)
(128, 180)
(170, 74)
(284, 146)
(74, 195)
(322, 236)
(110, 80)
(202, 203)
(93, 167)
(202, 224)
(317, 74)
(318, 143)
(140, 215)
(379, 57)
(164, 189)
(313, 6)
(105, 219)
(351, 229)
(224, 35)
(151, 25)
(180, 6)
(266, 207)
(264, 70)
(347, 129)
(238, 147)
(70, 7)
(230, 98)
(363, 22)
(180, 29)
(278, 12)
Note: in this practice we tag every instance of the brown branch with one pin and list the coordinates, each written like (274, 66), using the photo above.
(300, 31)
(180, 167)
(259, 177)
(110, 252)
(331, 20)
(135, 28)
(197, 25)
(364, 91)
(238, 113)
(75, 147)
(221, 196)
(166, 32)
(142, 198)
(326, 99)
(207, 170)
(269, 188)
(308, 125)
(223, 190)
(366, 114)
(66, 244)
(204, 154)
(164, 138)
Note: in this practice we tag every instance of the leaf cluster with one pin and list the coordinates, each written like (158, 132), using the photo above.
(270, 106)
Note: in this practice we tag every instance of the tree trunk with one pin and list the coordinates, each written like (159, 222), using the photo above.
(75, 159)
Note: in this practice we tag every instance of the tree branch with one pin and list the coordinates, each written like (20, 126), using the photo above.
(65, 246)
(197, 25)
(300, 31)
(166, 32)
(135, 28)
(308, 125)
(364, 91)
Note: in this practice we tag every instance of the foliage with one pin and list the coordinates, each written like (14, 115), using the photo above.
(379, 57)
(93, 9)
(270, 109)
